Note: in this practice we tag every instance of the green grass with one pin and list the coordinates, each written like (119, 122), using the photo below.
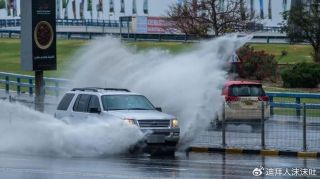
(292, 90)
(292, 112)
(172, 47)
(10, 55)
(10, 52)
(296, 53)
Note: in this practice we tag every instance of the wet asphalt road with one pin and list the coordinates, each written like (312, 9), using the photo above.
(196, 165)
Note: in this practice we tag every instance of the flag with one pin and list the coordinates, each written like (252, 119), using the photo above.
(122, 9)
(221, 5)
(100, 6)
(270, 9)
(58, 8)
(81, 9)
(9, 7)
(242, 10)
(145, 7)
(252, 9)
(65, 3)
(284, 5)
(111, 6)
(89, 5)
(134, 7)
(261, 10)
(14, 8)
(74, 9)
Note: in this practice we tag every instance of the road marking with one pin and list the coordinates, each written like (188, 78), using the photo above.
(269, 152)
(308, 154)
(234, 151)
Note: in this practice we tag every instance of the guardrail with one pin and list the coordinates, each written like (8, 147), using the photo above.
(17, 82)
(68, 22)
(116, 23)
(297, 105)
(147, 37)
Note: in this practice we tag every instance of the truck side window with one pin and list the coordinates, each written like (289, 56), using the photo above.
(65, 102)
(81, 104)
(94, 103)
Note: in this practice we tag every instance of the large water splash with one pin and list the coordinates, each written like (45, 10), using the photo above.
(187, 85)
(25, 131)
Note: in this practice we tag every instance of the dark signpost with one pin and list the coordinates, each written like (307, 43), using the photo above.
(38, 41)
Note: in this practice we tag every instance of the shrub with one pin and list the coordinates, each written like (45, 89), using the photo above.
(284, 53)
(256, 64)
(303, 75)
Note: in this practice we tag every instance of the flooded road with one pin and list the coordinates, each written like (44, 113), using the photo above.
(196, 165)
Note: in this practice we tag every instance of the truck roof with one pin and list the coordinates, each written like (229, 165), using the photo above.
(103, 91)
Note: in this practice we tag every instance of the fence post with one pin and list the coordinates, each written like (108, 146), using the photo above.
(304, 127)
(223, 126)
(271, 107)
(298, 101)
(57, 88)
(7, 84)
(30, 87)
(18, 85)
(262, 126)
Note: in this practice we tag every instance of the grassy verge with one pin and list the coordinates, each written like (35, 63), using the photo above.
(292, 112)
(295, 53)
(10, 55)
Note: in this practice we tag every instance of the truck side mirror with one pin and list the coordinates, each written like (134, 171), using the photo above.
(94, 110)
(159, 109)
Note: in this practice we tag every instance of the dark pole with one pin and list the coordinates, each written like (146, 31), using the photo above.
(39, 85)
(262, 126)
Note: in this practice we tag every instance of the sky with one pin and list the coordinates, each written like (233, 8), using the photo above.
(159, 8)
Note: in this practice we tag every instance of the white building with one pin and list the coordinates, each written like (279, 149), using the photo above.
(157, 8)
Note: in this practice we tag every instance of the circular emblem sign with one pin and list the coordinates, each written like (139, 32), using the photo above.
(43, 35)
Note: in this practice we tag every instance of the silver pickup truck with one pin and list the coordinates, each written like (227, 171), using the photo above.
(161, 130)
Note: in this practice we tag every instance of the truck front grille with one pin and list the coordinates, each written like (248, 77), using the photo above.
(154, 123)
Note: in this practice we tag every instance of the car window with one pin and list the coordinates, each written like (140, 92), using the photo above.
(94, 103)
(65, 101)
(246, 90)
(81, 104)
(126, 102)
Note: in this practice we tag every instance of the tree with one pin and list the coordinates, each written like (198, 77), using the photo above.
(199, 17)
(303, 24)
(184, 17)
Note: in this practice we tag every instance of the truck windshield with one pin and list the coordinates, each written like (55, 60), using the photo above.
(126, 102)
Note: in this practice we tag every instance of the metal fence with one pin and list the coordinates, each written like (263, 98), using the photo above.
(117, 23)
(26, 84)
(283, 130)
(68, 22)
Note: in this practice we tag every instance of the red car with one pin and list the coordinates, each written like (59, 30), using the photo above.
(243, 101)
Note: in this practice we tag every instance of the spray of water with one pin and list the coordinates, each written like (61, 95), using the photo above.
(25, 131)
(187, 85)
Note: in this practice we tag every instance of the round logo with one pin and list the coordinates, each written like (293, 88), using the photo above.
(257, 172)
(43, 35)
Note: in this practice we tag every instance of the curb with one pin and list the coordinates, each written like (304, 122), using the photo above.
(254, 152)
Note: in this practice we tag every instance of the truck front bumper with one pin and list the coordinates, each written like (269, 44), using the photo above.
(162, 136)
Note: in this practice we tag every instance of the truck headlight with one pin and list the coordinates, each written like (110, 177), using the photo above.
(174, 123)
(130, 121)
